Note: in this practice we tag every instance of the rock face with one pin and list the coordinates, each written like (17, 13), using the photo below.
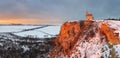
(87, 39)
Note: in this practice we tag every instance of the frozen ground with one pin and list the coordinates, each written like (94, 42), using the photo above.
(46, 32)
(39, 31)
(31, 40)
(96, 46)
(14, 28)
(27, 41)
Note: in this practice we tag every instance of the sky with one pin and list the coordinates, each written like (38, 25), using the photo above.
(55, 11)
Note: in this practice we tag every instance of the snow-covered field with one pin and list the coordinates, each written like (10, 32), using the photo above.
(25, 40)
(39, 31)
(49, 31)
(14, 28)
(92, 48)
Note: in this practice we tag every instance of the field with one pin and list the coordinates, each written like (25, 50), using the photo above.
(27, 41)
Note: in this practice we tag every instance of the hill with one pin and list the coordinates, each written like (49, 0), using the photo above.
(88, 39)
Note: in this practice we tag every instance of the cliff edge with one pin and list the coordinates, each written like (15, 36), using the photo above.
(88, 39)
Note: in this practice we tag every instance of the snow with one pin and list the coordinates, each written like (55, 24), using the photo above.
(94, 48)
(1, 44)
(34, 34)
(111, 23)
(115, 25)
(91, 49)
(53, 30)
(46, 32)
(117, 49)
(108, 51)
(25, 48)
(15, 28)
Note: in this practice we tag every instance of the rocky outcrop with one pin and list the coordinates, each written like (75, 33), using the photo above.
(66, 39)
(83, 39)
(109, 32)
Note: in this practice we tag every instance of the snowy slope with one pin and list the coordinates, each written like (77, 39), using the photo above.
(92, 42)
(26, 41)
(115, 25)
(40, 32)
(46, 32)
(14, 28)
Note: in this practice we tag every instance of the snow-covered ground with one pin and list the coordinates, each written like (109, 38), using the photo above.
(14, 28)
(92, 48)
(97, 46)
(45, 32)
(115, 25)
(25, 40)
(40, 32)
(112, 24)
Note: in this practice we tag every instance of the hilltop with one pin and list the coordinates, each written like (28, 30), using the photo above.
(88, 39)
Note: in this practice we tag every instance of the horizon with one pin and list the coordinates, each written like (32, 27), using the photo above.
(55, 11)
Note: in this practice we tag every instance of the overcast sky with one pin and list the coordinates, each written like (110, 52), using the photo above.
(57, 11)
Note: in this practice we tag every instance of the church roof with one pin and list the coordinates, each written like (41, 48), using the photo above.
(88, 14)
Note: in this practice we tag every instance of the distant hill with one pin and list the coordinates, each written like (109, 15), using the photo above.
(113, 19)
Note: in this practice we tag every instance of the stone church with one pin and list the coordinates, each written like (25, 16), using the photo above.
(89, 16)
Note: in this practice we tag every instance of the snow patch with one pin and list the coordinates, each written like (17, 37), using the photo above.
(26, 48)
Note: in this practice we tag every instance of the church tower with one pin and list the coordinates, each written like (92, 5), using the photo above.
(89, 16)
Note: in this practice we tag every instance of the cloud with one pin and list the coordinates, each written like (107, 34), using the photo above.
(52, 10)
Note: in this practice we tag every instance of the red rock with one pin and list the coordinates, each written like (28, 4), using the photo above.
(72, 32)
